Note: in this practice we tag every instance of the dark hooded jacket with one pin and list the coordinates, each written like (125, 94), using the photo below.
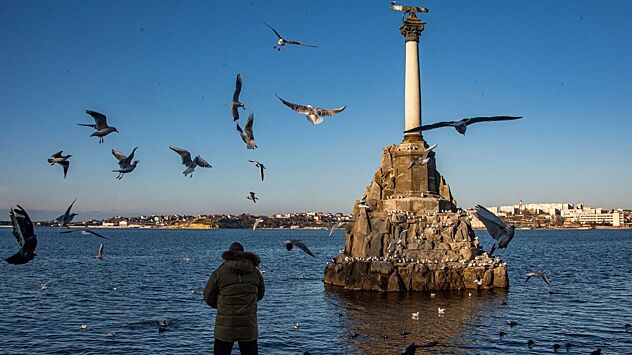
(234, 289)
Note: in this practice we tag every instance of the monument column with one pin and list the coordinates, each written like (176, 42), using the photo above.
(411, 29)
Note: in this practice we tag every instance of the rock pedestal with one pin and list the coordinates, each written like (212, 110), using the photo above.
(407, 235)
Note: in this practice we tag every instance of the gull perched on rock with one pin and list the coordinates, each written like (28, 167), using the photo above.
(539, 274)
(67, 217)
(188, 162)
(61, 160)
(249, 136)
(100, 124)
(260, 166)
(125, 163)
(499, 230)
(236, 103)
(424, 159)
(85, 232)
(461, 126)
(313, 113)
(24, 235)
(252, 197)
(290, 243)
(282, 41)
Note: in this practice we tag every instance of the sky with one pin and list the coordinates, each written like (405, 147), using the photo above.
(164, 71)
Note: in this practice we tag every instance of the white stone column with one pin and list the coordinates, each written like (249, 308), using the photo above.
(412, 95)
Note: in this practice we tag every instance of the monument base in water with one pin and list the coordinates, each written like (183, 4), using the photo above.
(406, 234)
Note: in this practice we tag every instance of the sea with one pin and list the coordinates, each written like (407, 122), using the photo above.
(149, 275)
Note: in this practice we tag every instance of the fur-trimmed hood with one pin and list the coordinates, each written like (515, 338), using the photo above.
(241, 261)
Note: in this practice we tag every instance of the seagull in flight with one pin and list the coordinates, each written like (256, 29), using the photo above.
(236, 103)
(67, 217)
(249, 136)
(539, 274)
(282, 41)
(85, 232)
(290, 243)
(188, 162)
(24, 235)
(61, 160)
(336, 226)
(254, 225)
(252, 197)
(313, 113)
(125, 163)
(496, 227)
(100, 124)
(260, 166)
(461, 126)
(424, 159)
(100, 252)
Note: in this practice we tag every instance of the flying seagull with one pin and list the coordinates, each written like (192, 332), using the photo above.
(236, 103)
(282, 41)
(252, 197)
(336, 226)
(461, 126)
(254, 225)
(125, 163)
(424, 159)
(260, 166)
(313, 113)
(85, 232)
(290, 243)
(67, 217)
(100, 252)
(190, 164)
(61, 160)
(100, 124)
(24, 235)
(249, 136)
(539, 274)
(497, 229)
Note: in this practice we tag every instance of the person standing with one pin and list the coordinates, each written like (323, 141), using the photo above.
(234, 289)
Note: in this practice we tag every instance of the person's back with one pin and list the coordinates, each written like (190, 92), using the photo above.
(234, 289)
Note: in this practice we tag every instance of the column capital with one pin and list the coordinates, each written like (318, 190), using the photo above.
(412, 28)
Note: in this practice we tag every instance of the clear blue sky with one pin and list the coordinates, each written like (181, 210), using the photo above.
(163, 72)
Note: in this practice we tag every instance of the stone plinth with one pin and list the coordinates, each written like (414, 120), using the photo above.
(411, 238)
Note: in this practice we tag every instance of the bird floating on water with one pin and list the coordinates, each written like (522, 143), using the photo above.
(461, 126)
(248, 137)
(282, 41)
(125, 163)
(496, 227)
(100, 125)
(191, 164)
(539, 274)
(67, 217)
(24, 235)
(424, 159)
(236, 103)
(61, 160)
(314, 114)
(290, 243)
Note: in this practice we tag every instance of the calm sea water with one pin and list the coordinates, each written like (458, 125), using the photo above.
(590, 303)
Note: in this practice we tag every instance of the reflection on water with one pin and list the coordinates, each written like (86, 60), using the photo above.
(382, 322)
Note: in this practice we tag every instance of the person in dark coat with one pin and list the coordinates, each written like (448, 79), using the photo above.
(234, 290)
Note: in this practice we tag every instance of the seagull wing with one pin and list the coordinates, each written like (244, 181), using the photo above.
(235, 113)
(248, 126)
(67, 213)
(57, 155)
(431, 126)
(495, 226)
(273, 30)
(296, 107)
(26, 229)
(199, 161)
(303, 247)
(261, 167)
(99, 119)
(472, 120)
(89, 231)
(128, 160)
(239, 129)
(329, 112)
(332, 229)
(119, 156)
(16, 228)
(184, 154)
(301, 44)
(427, 151)
(100, 252)
(65, 164)
(237, 89)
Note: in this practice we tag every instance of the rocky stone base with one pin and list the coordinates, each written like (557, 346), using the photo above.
(482, 272)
